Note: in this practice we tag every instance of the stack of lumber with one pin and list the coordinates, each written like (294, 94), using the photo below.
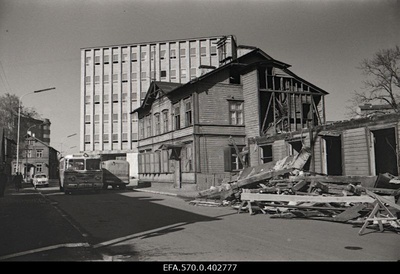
(285, 190)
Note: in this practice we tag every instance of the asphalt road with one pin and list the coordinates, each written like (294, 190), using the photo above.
(138, 226)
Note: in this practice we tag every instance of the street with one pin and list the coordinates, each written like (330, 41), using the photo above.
(130, 225)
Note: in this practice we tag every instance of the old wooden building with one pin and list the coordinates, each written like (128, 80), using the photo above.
(196, 134)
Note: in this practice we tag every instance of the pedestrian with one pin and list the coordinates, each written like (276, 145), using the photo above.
(18, 181)
(3, 180)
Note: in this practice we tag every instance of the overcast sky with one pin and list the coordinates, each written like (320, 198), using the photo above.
(323, 40)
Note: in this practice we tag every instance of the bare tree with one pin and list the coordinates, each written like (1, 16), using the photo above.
(382, 85)
(9, 115)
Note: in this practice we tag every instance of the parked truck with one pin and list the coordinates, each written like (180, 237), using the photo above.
(115, 173)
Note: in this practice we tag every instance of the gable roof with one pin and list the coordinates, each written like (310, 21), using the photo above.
(40, 141)
(169, 88)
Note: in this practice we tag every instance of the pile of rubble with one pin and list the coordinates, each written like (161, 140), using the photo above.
(284, 190)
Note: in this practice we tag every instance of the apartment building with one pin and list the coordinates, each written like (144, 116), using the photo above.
(115, 79)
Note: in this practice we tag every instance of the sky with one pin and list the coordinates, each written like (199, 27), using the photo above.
(323, 40)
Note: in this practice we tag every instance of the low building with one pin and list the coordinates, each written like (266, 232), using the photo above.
(194, 135)
(38, 157)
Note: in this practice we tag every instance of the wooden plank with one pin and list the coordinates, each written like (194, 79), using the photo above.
(383, 199)
(350, 213)
(300, 198)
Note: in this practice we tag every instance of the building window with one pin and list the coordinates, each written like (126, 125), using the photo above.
(183, 73)
(172, 54)
(124, 57)
(187, 163)
(115, 58)
(193, 52)
(143, 56)
(173, 74)
(105, 118)
(266, 153)
(177, 118)
(134, 77)
(183, 53)
(162, 54)
(148, 126)
(134, 57)
(141, 128)
(236, 112)
(157, 124)
(213, 50)
(87, 119)
(115, 78)
(88, 59)
(192, 73)
(87, 80)
(134, 96)
(115, 138)
(188, 113)
(87, 138)
(106, 78)
(165, 120)
(231, 159)
(163, 74)
(124, 77)
(106, 59)
(39, 168)
(96, 118)
(97, 79)
(105, 138)
(144, 76)
(29, 153)
(203, 51)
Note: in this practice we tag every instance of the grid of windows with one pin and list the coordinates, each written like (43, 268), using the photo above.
(120, 73)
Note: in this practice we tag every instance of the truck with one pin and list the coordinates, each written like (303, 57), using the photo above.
(115, 173)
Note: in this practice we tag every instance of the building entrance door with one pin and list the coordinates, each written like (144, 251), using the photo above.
(384, 151)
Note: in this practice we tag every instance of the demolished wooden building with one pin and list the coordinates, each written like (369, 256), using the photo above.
(366, 146)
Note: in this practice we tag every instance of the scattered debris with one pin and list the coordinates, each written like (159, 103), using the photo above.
(284, 190)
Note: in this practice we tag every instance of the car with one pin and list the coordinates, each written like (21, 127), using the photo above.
(40, 179)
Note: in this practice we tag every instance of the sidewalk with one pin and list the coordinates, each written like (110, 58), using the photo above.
(170, 191)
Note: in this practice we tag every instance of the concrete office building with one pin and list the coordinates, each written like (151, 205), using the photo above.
(115, 79)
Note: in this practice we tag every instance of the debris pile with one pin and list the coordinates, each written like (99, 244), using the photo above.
(285, 190)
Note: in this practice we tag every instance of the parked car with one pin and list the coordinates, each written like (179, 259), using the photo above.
(40, 180)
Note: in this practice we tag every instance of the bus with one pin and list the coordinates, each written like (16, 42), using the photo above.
(80, 172)
(115, 173)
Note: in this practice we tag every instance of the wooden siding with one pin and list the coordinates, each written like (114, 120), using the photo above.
(317, 154)
(356, 152)
(251, 104)
(212, 152)
(279, 150)
(214, 104)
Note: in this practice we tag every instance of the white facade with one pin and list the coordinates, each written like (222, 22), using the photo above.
(115, 79)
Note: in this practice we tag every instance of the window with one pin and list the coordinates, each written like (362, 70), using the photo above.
(141, 128)
(148, 126)
(96, 79)
(106, 78)
(183, 73)
(187, 163)
(87, 138)
(96, 118)
(192, 73)
(134, 57)
(177, 118)
(173, 74)
(115, 78)
(236, 112)
(162, 54)
(172, 54)
(144, 76)
(157, 124)
(106, 59)
(213, 50)
(163, 73)
(124, 77)
(193, 52)
(266, 153)
(29, 153)
(88, 59)
(87, 80)
(134, 96)
(143, 56)
(105, 138)
(115, 138)
(134, 77)
(165, 121)
(188, 113)
(203, 51)
(39, 168)
(231, 159)
(105, 118)
(183, 53)
(87, 119)
(115, 58)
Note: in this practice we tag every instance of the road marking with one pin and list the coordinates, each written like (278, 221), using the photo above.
(136, 235)
(43, 249)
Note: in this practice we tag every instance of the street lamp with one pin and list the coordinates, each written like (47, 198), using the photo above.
(19, 118)
(62, 143)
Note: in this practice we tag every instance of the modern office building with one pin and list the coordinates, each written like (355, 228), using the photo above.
(115, 79)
